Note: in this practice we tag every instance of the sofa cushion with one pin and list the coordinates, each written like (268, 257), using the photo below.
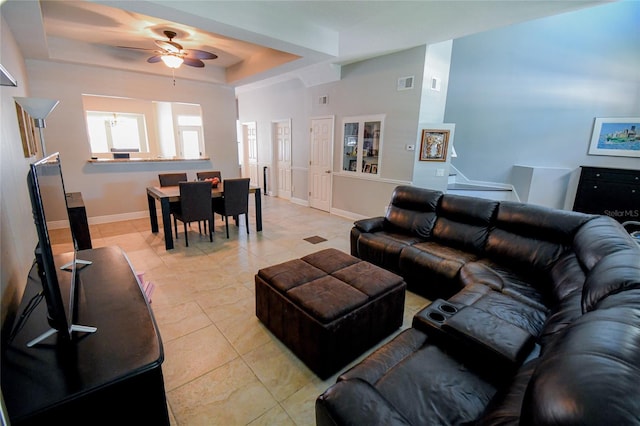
(615, 273)
(383, 248)
(502, 306)
(532, 238)
(506, 406)
(525, 287)
(423, 382)
(412, 211)
(463, 222)
(591, 374)
(598, 238)
(433, 261)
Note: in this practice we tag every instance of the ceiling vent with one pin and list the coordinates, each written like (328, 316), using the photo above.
(405, 83)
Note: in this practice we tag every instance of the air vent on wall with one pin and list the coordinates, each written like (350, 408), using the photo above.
(323, 100)
(405, 83)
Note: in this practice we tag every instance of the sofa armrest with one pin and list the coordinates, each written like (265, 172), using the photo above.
(355, 401)
(373, 224)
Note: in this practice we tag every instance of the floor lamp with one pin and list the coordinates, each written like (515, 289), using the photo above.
(38, 109)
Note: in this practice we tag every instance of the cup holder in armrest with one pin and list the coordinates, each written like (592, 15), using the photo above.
(436, 316)
(433, 317)
(447, 308)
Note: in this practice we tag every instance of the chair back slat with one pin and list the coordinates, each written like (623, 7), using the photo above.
(195, 201)
(172, 179)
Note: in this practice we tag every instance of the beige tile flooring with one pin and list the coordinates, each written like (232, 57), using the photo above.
(222, 366)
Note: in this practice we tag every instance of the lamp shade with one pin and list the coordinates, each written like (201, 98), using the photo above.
(172, 61)
(37, 108)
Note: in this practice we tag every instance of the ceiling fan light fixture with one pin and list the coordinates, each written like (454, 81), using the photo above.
(172, 61)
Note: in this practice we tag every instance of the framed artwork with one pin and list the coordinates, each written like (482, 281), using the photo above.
(434, 144)
(616, 136)
(27, 132)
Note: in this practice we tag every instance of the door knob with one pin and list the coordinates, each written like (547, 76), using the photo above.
(327, 171)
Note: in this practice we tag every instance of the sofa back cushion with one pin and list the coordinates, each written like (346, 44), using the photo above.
(412, 210)
(598, 238)
(463, 222)
(614, 273)
(589, 373)
(532, 238)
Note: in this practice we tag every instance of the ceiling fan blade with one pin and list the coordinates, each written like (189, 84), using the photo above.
(200, 54)
(135, 48)
(193, 62)
(154, 59)
(170, 46)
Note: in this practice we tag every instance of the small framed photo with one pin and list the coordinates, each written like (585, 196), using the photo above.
(374, 169)
(367, 168)
(352, 165)
(434, 144)
(616, 137)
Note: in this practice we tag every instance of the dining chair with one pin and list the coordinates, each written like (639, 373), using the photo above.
(195, 206)
(235, 201)
(172, 179)
(215, 202)
(209, 175)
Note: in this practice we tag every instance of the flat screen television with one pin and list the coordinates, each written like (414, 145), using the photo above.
(49, 203)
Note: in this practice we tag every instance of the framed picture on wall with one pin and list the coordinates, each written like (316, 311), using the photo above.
(434, 144)
(27, 132)
(616, 136)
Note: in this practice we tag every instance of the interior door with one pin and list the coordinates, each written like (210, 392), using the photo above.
(282, 138)
(251, 151)
(320, 163)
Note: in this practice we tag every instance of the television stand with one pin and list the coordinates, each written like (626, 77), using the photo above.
(112, 377)
(74, 327)
(68, 266)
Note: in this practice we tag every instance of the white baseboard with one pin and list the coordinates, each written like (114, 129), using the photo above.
(348, 215)
(95, 220)
(299, 201)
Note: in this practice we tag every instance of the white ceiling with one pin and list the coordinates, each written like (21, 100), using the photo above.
(256, 41)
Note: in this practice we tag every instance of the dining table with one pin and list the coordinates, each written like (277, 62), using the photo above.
(168, 194)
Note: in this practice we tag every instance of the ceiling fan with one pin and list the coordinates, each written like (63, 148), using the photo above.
(174, 55)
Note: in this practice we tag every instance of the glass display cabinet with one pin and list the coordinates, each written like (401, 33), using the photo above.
(362, 143)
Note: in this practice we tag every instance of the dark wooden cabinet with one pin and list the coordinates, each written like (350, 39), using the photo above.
(612, 192)
(78, 220)
(110, 377)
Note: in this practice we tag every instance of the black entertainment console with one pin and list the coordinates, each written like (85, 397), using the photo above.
(112, 376)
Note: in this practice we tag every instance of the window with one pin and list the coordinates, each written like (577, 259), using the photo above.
(146, 129)
(362, 143)
(114, 131)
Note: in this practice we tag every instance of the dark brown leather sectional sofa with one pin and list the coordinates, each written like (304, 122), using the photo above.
(535, 319)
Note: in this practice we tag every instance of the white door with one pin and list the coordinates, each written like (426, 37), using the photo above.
(191, 141)
(282, 138)
(321, 163)
(250, 152)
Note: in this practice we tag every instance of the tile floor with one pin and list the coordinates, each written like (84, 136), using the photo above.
(222, 366)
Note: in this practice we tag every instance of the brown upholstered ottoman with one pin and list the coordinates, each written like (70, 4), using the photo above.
(329, 307)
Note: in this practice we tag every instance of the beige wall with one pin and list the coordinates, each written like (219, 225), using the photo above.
(17, 231)
(118, 191)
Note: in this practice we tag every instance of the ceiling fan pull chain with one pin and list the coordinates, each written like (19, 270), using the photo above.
(173, 71)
